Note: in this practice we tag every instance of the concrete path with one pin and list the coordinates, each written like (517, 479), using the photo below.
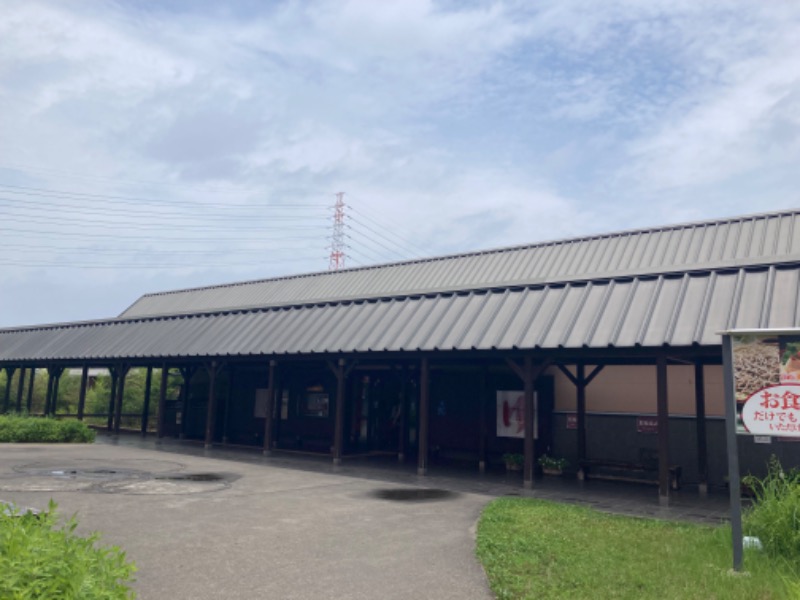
(203, 528)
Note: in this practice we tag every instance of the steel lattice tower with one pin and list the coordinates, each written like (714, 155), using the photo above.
(337, 257)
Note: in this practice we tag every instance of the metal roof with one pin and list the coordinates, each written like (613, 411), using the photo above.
(625, 312)
(757, 239)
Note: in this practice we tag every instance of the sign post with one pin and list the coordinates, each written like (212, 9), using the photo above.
(762, 398)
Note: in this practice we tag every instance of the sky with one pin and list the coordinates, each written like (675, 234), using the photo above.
(156, 145)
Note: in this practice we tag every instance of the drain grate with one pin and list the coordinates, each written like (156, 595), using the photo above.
(190, 477)
(413, 494)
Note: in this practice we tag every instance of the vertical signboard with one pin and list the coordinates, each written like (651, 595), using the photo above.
(762, 398)
(511, 414)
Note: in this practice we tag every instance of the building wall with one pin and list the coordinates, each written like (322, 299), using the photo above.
(632, 389)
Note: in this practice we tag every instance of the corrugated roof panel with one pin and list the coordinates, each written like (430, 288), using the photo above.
(719, 307)
(502, 319)
(657, 327)
(700, 245)
(751, 299)
(464, 322)
(785, 301)
(485, 311)
(631, 319)
(450, 308)
(563, 316)
(521, 318)
(401, 315)
(587, 316)
(689, 312)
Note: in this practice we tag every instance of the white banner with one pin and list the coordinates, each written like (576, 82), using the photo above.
(511, 414)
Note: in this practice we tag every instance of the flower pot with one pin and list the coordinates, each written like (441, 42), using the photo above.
(552, 471)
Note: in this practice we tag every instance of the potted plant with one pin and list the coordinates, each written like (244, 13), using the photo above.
(513, 461)
(551, 465)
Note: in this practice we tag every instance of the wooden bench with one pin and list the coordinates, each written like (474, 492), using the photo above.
(614, 470)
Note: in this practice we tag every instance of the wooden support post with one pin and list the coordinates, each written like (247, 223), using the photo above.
(580, 391)
(700, 414)
(402, 418)
(162, 401)
(186, 396)
(112, 399)
(31, 381)
(82, 393)
(56, 384)
(663, 429)
(211, 411)
(148, 381)
(424, 416)
(228, 398)
(7, 397)
(269, 428)
(338, 431)
(48, 398)
(123, 375)
(530, 420)
(483, 426)
(20, 388)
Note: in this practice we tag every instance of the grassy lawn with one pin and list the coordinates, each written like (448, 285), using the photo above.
(537, 549)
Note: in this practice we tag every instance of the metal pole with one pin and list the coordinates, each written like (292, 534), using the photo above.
(148, 380)
(663, 430)
(700, 413)
(82, 394)
(733, 453)
(424, 415)
(268, 421)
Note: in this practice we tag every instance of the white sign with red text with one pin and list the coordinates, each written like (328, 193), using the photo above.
(773, 410)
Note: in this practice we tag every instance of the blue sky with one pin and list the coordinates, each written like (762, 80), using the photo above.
(162, 145)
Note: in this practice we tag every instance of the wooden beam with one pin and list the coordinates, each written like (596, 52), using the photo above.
(424, 416)
(483, 425)
(31, 381)
(663, 429)
(269, 426)
(162, 400)
(580, 392)
(7, 396)
(82, 393)
(148, 382)
(338, 429)
(568, 374)
(700, 414)
(112, 399)
(123, 375)
(20, 388)
(211, 408)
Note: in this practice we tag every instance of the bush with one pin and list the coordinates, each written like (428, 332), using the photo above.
(40, 560)
(774, 517)
(17, 428)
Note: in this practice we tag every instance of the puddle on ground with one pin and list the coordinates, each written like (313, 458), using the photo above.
(413, 494)
(98, 476)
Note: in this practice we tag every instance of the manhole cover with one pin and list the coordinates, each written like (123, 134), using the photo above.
(413, 494)
(162, 486)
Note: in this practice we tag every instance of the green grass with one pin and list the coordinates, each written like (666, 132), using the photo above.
(21, 428)
(537, 549)
(40, 560)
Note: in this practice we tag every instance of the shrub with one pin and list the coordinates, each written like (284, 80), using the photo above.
(16, 428)
(40, 560)
(775, 515)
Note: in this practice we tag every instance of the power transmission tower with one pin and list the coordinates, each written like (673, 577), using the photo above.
(337, 256)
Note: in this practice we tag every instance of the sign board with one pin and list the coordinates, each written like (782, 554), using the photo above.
(572, 421)
(766, 375)
(647, 424)
(511, 414)
(761, 370)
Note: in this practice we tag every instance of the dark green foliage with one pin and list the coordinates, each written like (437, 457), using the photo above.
(39, 560)
(774, 517)
(17, 429)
